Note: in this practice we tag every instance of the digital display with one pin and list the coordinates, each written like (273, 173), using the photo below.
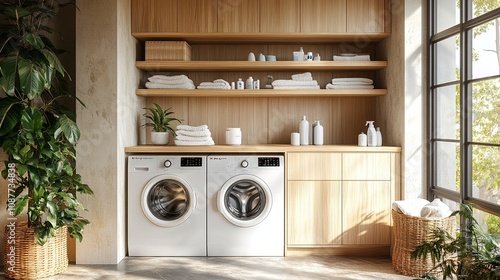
(191, 162)
(269, 161)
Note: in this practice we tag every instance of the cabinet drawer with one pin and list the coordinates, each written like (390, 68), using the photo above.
(366, 166)
(314, 166)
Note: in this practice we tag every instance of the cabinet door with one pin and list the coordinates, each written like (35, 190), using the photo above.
(323, 16)
(238, 16)
(314, 213)
(154, 16)
(366, 166)
(367, 208)
(198, 16)
(365, 16)
(279, 15)
(314, 166)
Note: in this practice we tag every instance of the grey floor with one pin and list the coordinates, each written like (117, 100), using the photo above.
(225, 268)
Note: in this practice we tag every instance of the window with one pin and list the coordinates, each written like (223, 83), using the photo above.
(464, 105)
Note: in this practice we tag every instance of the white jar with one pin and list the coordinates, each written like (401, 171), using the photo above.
(233, 136)
(249, 84)
(362, 140)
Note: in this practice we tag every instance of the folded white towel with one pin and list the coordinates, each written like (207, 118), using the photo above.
(171, 82)
(193, 138)
(187, 143)
(216, 84)
(302, 77)
(296, 87)
(199, 133)
(351, 86)
(192, 128)
(170, 78)
(411, 207)
(435, 210)
(367, 81)
(170, 86)
(294, 83)
(365, 57)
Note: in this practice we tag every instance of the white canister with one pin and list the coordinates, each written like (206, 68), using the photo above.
(295, 139)
(362, 140)
(233, 136)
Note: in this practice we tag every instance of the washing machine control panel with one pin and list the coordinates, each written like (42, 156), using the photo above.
(191, 162)
(269, 161)
(167, 163)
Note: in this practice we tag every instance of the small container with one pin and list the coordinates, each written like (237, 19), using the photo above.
(304, 131)
(379, 137)
(318, 134)
(362, 140)
(240, 84)
(256, 84)
(262, 57)
(270, 57)
(233, 136)
(309, 56)
(233, 85)
(249, 83)
(295, 139)
(251, 56)
(317, 57)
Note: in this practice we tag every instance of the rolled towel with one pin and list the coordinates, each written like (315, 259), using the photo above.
(192, 128)
(296, 87)
(352, 86)
(200, 133)
(187, 143)
(193, 138)
(435, 210)
(169, 86)
(367, 81)
(411, 207)
(294, 83)
(302, 77)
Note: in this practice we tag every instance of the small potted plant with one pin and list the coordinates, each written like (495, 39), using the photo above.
(160, 121)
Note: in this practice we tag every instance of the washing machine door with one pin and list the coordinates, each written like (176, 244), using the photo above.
(167, 200)
(244, 200)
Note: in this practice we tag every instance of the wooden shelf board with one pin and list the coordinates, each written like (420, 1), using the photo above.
(258, 93)
(238, 38)
(259, 65)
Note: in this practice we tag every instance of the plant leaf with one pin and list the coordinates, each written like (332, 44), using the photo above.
(69, 129)
(31, 120)
(31, 80)
(10, 114)
(8, 70)
(34, 40)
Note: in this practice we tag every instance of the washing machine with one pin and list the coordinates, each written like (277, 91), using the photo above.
(246, 205)
(167, 205)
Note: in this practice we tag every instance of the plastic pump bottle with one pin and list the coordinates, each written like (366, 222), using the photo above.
(304, 131)
(318, 134)
(379, 137)
(371, 134)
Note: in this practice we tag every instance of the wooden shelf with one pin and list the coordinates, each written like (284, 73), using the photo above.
(238, 38)
(259, 65)
(259, 93)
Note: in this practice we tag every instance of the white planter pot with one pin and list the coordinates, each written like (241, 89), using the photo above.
(159, 138)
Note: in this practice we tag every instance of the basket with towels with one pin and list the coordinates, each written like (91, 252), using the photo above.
(188, 135)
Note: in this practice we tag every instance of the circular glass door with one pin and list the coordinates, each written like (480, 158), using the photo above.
(168, 201)
(244, 200)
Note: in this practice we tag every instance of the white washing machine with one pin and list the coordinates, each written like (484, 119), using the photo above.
(246, 205)
(167, 205)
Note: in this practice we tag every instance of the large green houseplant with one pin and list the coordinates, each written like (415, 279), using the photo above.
(37, 132)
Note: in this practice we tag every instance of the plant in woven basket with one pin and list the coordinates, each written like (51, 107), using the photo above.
(37, 132)
(471, 254)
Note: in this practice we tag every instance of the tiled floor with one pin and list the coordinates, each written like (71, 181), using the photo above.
(225, 268)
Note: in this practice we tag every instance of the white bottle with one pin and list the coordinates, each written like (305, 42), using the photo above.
(249, 84)
(309, 56)
(304, 131)
(317, 57)
(240, 84)
(362, 139)
(251, 56)
(301, 54)
(318, 134)
(313, 126)
(262, 57)
(379, 137)
(371, 134)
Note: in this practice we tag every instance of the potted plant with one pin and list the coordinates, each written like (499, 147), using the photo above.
(471, 254)
(39, 136)
(160, 121)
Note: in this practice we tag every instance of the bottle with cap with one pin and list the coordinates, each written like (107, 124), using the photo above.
(304, 131)
(371, 134)
(249, 84)
(318, 134)
(240, 84)
(379, 137)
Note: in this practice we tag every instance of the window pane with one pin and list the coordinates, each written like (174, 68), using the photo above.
(447, 60)
(448, 165)
(448, 112)
(486, 173)
(486, 112)
(480, 7)
(488, 222)
(448, 14)
(485, 62)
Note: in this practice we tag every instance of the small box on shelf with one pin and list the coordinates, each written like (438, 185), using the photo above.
(168, 50)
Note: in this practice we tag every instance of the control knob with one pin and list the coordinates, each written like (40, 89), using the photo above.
(167, 163)
(244, 164)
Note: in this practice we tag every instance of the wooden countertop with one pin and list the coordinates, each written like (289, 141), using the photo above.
(271, 148)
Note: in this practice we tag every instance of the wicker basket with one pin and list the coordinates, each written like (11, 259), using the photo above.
(410, 231)
(30, 260)
(168, 50)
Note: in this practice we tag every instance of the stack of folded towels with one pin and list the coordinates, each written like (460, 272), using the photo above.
(188, 135)
(350, 83)
(419, 207)
(216, 84)
(351, 57)
(170, 82)
(298, 81)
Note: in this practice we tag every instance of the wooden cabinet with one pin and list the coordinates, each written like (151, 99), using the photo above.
(154, 16)
(366, 166)
(197, 16)
(279, 15)
(238, 16)
(366, 16)
(314, 166)
(318, 16)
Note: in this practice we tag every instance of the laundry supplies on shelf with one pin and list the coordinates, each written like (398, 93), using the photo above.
(169, 82)
(188, 135)
(216, 84)
(350, 83)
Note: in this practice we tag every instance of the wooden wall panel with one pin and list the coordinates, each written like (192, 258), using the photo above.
(349, 115)
(319, 16)
(154, 16)
(314, 166)
(365, 16)
(238, 16)
(197, 16)
(279, 15)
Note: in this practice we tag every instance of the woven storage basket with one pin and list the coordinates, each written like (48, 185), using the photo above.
(410, 231)
(32, 261)
(168, 50)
